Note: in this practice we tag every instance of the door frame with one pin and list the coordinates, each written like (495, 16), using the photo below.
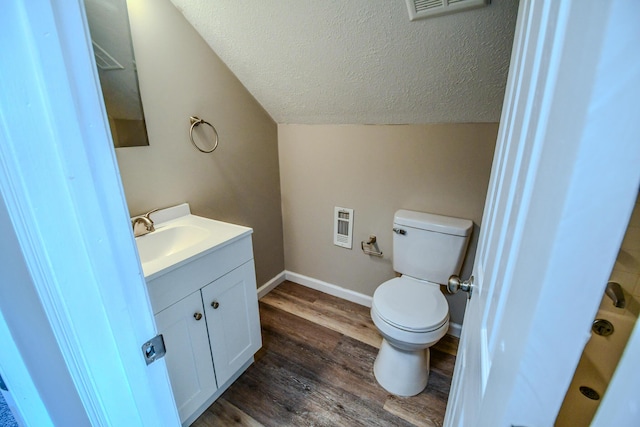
(61, 188)
(575, 107)
(83, 192)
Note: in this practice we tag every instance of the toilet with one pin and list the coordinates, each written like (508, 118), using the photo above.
(410, 311)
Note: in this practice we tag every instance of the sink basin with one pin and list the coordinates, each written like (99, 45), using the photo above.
(180, 239)
(169, 240)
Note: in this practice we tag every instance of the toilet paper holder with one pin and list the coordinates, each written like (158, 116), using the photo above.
(371, 243)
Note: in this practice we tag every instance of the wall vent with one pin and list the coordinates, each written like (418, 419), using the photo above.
(104, 61)
(419, 9)
(343, 227)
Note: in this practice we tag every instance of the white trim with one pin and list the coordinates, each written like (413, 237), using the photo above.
(68, 211)
(580, 139)
(455, 329)
(271, 284)
(329, 288)
(337, 291)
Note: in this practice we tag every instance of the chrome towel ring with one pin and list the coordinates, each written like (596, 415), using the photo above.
(196, 121)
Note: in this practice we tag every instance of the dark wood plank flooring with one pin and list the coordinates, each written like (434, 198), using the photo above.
(316, 369)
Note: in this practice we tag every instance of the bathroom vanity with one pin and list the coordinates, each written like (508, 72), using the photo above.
(201, 281)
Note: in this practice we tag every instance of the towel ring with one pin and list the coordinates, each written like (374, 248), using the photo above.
(196, 121)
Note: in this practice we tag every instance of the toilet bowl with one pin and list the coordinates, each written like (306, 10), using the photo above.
(411, 315)
(410, 311)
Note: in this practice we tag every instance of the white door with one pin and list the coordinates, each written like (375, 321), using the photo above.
(74, 308)
(564, 179)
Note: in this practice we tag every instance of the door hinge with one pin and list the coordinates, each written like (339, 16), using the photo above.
(154, 349)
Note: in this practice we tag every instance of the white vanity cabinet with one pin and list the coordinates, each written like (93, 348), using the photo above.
(206, 308)
(231, 306)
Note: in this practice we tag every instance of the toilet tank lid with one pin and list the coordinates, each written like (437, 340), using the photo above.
(433, 222)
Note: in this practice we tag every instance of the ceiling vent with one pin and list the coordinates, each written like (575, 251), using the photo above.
(419, 9)
(104, 61)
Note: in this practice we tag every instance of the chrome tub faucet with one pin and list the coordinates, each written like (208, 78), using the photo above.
(614, 291)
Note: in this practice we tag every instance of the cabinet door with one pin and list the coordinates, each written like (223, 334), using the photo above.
(188, 357)
(231, 305)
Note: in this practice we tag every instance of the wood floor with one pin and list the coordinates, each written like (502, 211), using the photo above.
(316, 369)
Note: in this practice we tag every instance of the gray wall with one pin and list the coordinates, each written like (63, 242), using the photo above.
(181, 76)
(376, 170)
(442, 168)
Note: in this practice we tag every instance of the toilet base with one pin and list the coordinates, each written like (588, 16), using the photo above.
(400, 372)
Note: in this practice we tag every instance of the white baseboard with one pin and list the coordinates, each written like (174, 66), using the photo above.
(455, 329)
(330, 289)
(268, 287)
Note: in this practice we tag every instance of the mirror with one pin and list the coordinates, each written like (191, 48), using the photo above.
(111, 36)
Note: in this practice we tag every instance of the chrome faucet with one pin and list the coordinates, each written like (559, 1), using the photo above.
(146, 221)
(614, 291)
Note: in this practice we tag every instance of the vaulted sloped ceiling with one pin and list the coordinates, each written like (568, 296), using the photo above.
(361, 61)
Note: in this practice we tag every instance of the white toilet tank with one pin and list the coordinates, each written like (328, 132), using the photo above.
(429, 247)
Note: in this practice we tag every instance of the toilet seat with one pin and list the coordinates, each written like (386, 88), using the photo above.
(411, 305)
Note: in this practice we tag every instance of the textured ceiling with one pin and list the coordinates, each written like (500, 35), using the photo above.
(361, 61)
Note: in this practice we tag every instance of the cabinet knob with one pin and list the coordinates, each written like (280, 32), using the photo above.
(215, 304)
(197, 315)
